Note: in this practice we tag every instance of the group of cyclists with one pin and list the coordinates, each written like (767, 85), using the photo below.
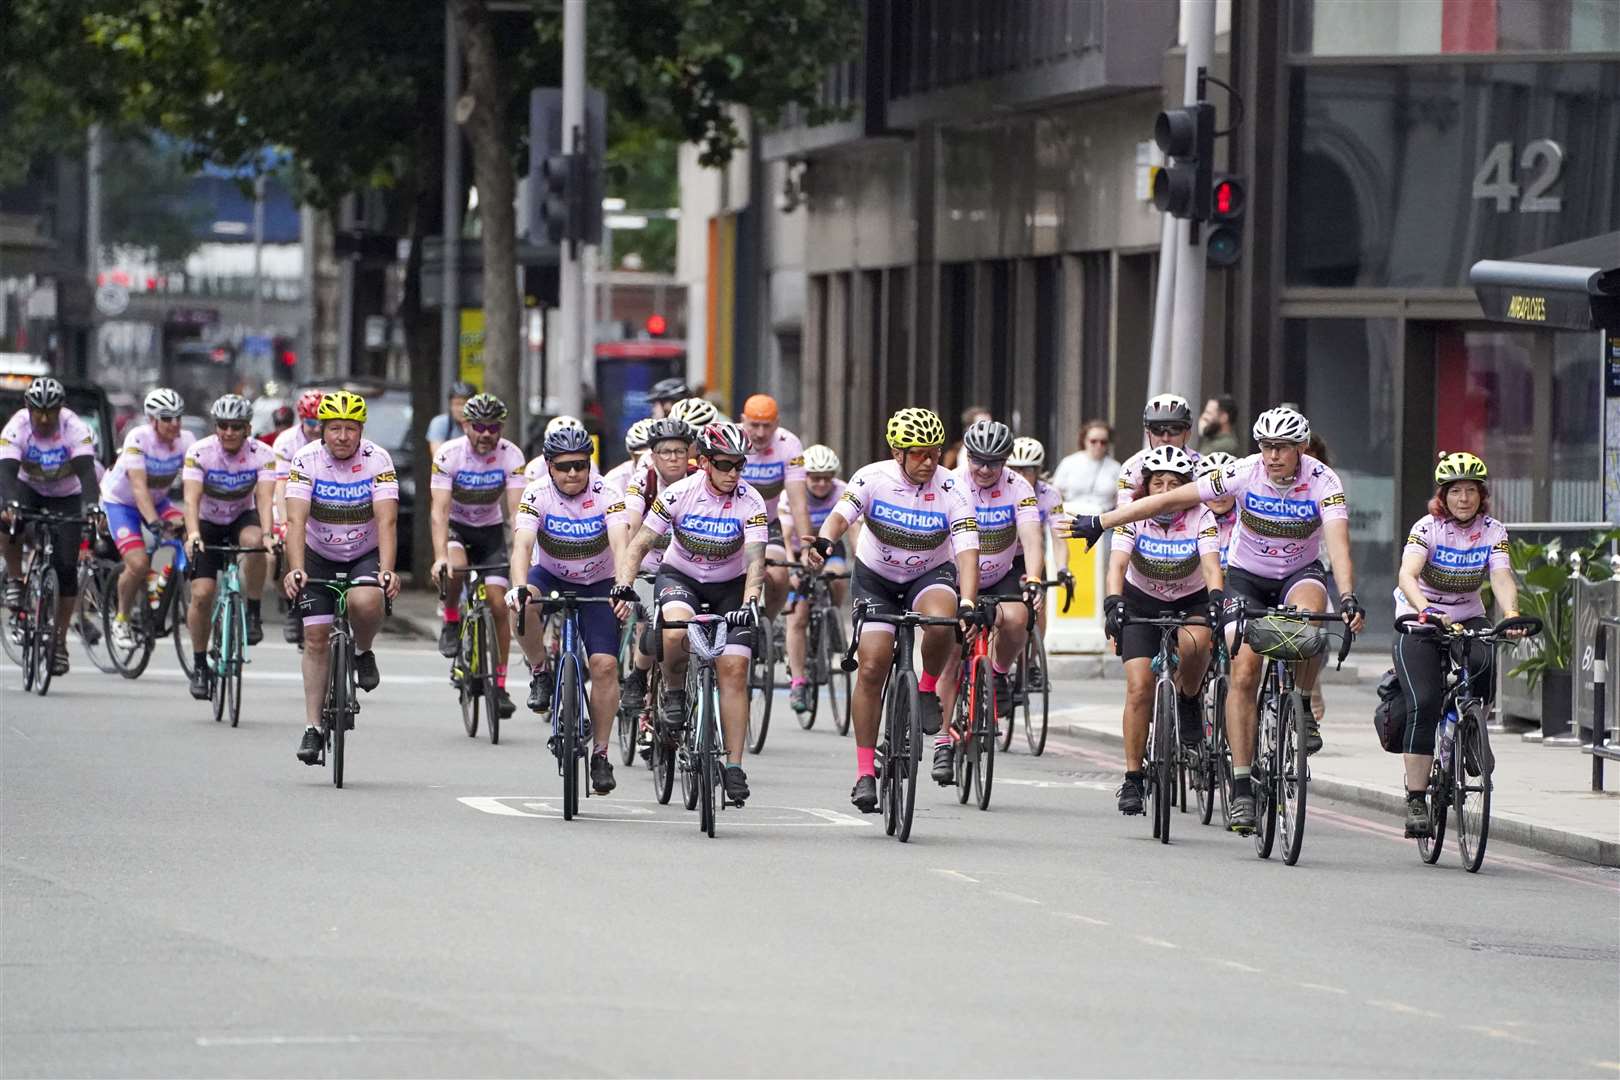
(731, 518)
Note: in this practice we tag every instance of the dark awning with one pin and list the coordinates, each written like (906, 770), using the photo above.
(1569, 287)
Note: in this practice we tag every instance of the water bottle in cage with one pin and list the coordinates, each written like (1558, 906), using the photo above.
(1448, 730)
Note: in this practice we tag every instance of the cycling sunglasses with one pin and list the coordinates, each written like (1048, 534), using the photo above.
(726, 465)
(230, 425)
(486, 429)
(986, 463)
(571, 466)
(1162, 430)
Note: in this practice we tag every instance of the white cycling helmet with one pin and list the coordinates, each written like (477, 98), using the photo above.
(1167, 409)
(164, 404)
(1282, 425)
(557, 423)
(636, 437)
(231, 408)
(1168, 458)
(1027, 453)
(1215, 462)
(820, 460)
(696, 411)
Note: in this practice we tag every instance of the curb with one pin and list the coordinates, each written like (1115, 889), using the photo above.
(1513, 830)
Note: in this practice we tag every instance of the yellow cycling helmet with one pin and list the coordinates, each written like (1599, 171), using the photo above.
(910, 428)
(1459, 466)
(342, 405)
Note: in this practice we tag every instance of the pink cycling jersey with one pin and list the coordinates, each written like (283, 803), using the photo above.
(46, 462)
(1226, 523)
(1165, 558)
(286, 447)
(228, 480)
(144, 452)
(1130, 476)
(910, 528)
(636, 500)
(1279, 529)
(1049, 499)
(620, 476)
(477, 483)
(819, 508)
(1457, 559)
(999, 510)
(770, 470)
(342, 523)
(571, 531)
(711, 529)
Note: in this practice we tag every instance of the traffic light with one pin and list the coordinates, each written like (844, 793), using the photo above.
(572, 203)
(1224, 245)
(284, 354)
(1187, 136)
(657, 325)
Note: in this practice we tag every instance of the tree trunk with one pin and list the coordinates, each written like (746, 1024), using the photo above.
(493, 173)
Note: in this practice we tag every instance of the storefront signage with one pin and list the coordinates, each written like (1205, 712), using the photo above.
(1563, 310)
(1543, 165)
(1527, 308)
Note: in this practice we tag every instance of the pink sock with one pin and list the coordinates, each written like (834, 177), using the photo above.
(452, 615)
(927, 682)
(795, 682)
(865, 761)
(997, 668)
(500, 676)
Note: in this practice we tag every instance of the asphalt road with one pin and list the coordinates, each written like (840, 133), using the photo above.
(184, 899)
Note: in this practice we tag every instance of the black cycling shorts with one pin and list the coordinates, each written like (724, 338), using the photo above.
(1142, 642)
(317, 603)
(65, 556)
(1271, 592)
(210, 562)
(897, 597)
(484, 544)
(706, 597)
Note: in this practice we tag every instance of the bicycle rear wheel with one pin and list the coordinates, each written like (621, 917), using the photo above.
(1161, 770)
(565, 707)
(838, 680)
(663, 767)
(490, 690)
(341, 694)
(465, 673)
(1036, 695)
(1438, 799)
(87, 619)
(1263, 780)
(129, 662)
(1294, 778)
(179, 607)
(1471, 795)
(815, 672)
(628, 719)
(983, 736)
(761, 685)
(1212, 770)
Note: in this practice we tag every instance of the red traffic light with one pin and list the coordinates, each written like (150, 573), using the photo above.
(1228, 199)
(657, 325)
(289, 358)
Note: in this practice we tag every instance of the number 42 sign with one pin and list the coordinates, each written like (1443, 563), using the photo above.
(1543, 164)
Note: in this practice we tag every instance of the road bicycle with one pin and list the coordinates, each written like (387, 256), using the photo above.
(475, 668)
(1460, 779)
(701, 757)
(227, 635)
(973, 719)
(824, 645)
(1209, 764)
(633, 723)
(571, 730)
(900, 736)
(31, 631)
(1160, 759)
(342, 701)
(1030, 680)
(159, 611)
(1280, 776)
(94, 571)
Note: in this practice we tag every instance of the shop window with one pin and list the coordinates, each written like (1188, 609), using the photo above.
(1485, 392)
(1418, 27)
(1344, 379)
(1576, 440)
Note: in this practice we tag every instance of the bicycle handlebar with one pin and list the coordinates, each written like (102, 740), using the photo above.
(553, 600)
(480, 569)
(864, 613)
(344, 584)
(1411, 623)
(1246, 612)
(1067, 585)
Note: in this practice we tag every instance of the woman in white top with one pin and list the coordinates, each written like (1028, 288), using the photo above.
(1088, 479)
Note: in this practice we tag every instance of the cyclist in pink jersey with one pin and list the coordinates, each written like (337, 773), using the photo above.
(477, 480)
(919, 551)
(1028, 459)
(286, 446)
(1289, 506)
(1012, 551)
(1449, 555)
(716, 558)
(822, 490)
(669, 454)
(135, 496)
(776, 468)
(1166, 421)
(635, 444)
(1169, 564)
(342, 508)
(229, 479)
(561, 543)
(47, 462)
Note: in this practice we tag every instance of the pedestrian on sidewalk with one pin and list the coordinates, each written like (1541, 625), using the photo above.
(1088, 479)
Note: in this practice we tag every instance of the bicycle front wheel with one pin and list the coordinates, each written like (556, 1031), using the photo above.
(129, 662)
(1292, 781)
(340, 693)
(234, 659)
(565, 706)
(983, 736)
(465, 675)
(1263, 781)
(1438, 799)
(179, 607)
(1161, 770)
(708, 756)
(761, 685)
(1212, 769)
(628, 718)
(962, 740)
(87, 619)
(1471, 790)
(216, 656)
(1036, 695)
(902, 760)
(491, 692)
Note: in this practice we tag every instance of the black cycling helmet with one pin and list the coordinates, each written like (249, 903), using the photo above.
(462, 390)
(988, 439)
(669, 390)
(484, 409)
(669, 428)
(566, 440)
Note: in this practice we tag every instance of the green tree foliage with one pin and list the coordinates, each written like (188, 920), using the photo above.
(143, 191)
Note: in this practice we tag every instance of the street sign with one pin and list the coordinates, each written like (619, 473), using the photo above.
(112, 299)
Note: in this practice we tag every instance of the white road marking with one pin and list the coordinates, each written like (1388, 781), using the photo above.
(1236, 966)
(833, 817)
(1156, 942)
(1090, 785)
(1404, 1008)
(1498, 1033)
(1083, 918)
(304, 1040)
(1324, 989)
(957, 874)
(1615, 1065)
(1019, 898)
(492, 805)
(527, 806)
(21, 732)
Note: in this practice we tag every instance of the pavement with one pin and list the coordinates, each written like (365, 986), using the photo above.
(181, 898)
(1542, 796)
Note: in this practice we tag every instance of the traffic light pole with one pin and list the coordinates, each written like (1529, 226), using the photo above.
(566, 362)
(1187, 317)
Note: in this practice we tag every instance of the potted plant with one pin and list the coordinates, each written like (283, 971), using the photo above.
(1546, 573)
